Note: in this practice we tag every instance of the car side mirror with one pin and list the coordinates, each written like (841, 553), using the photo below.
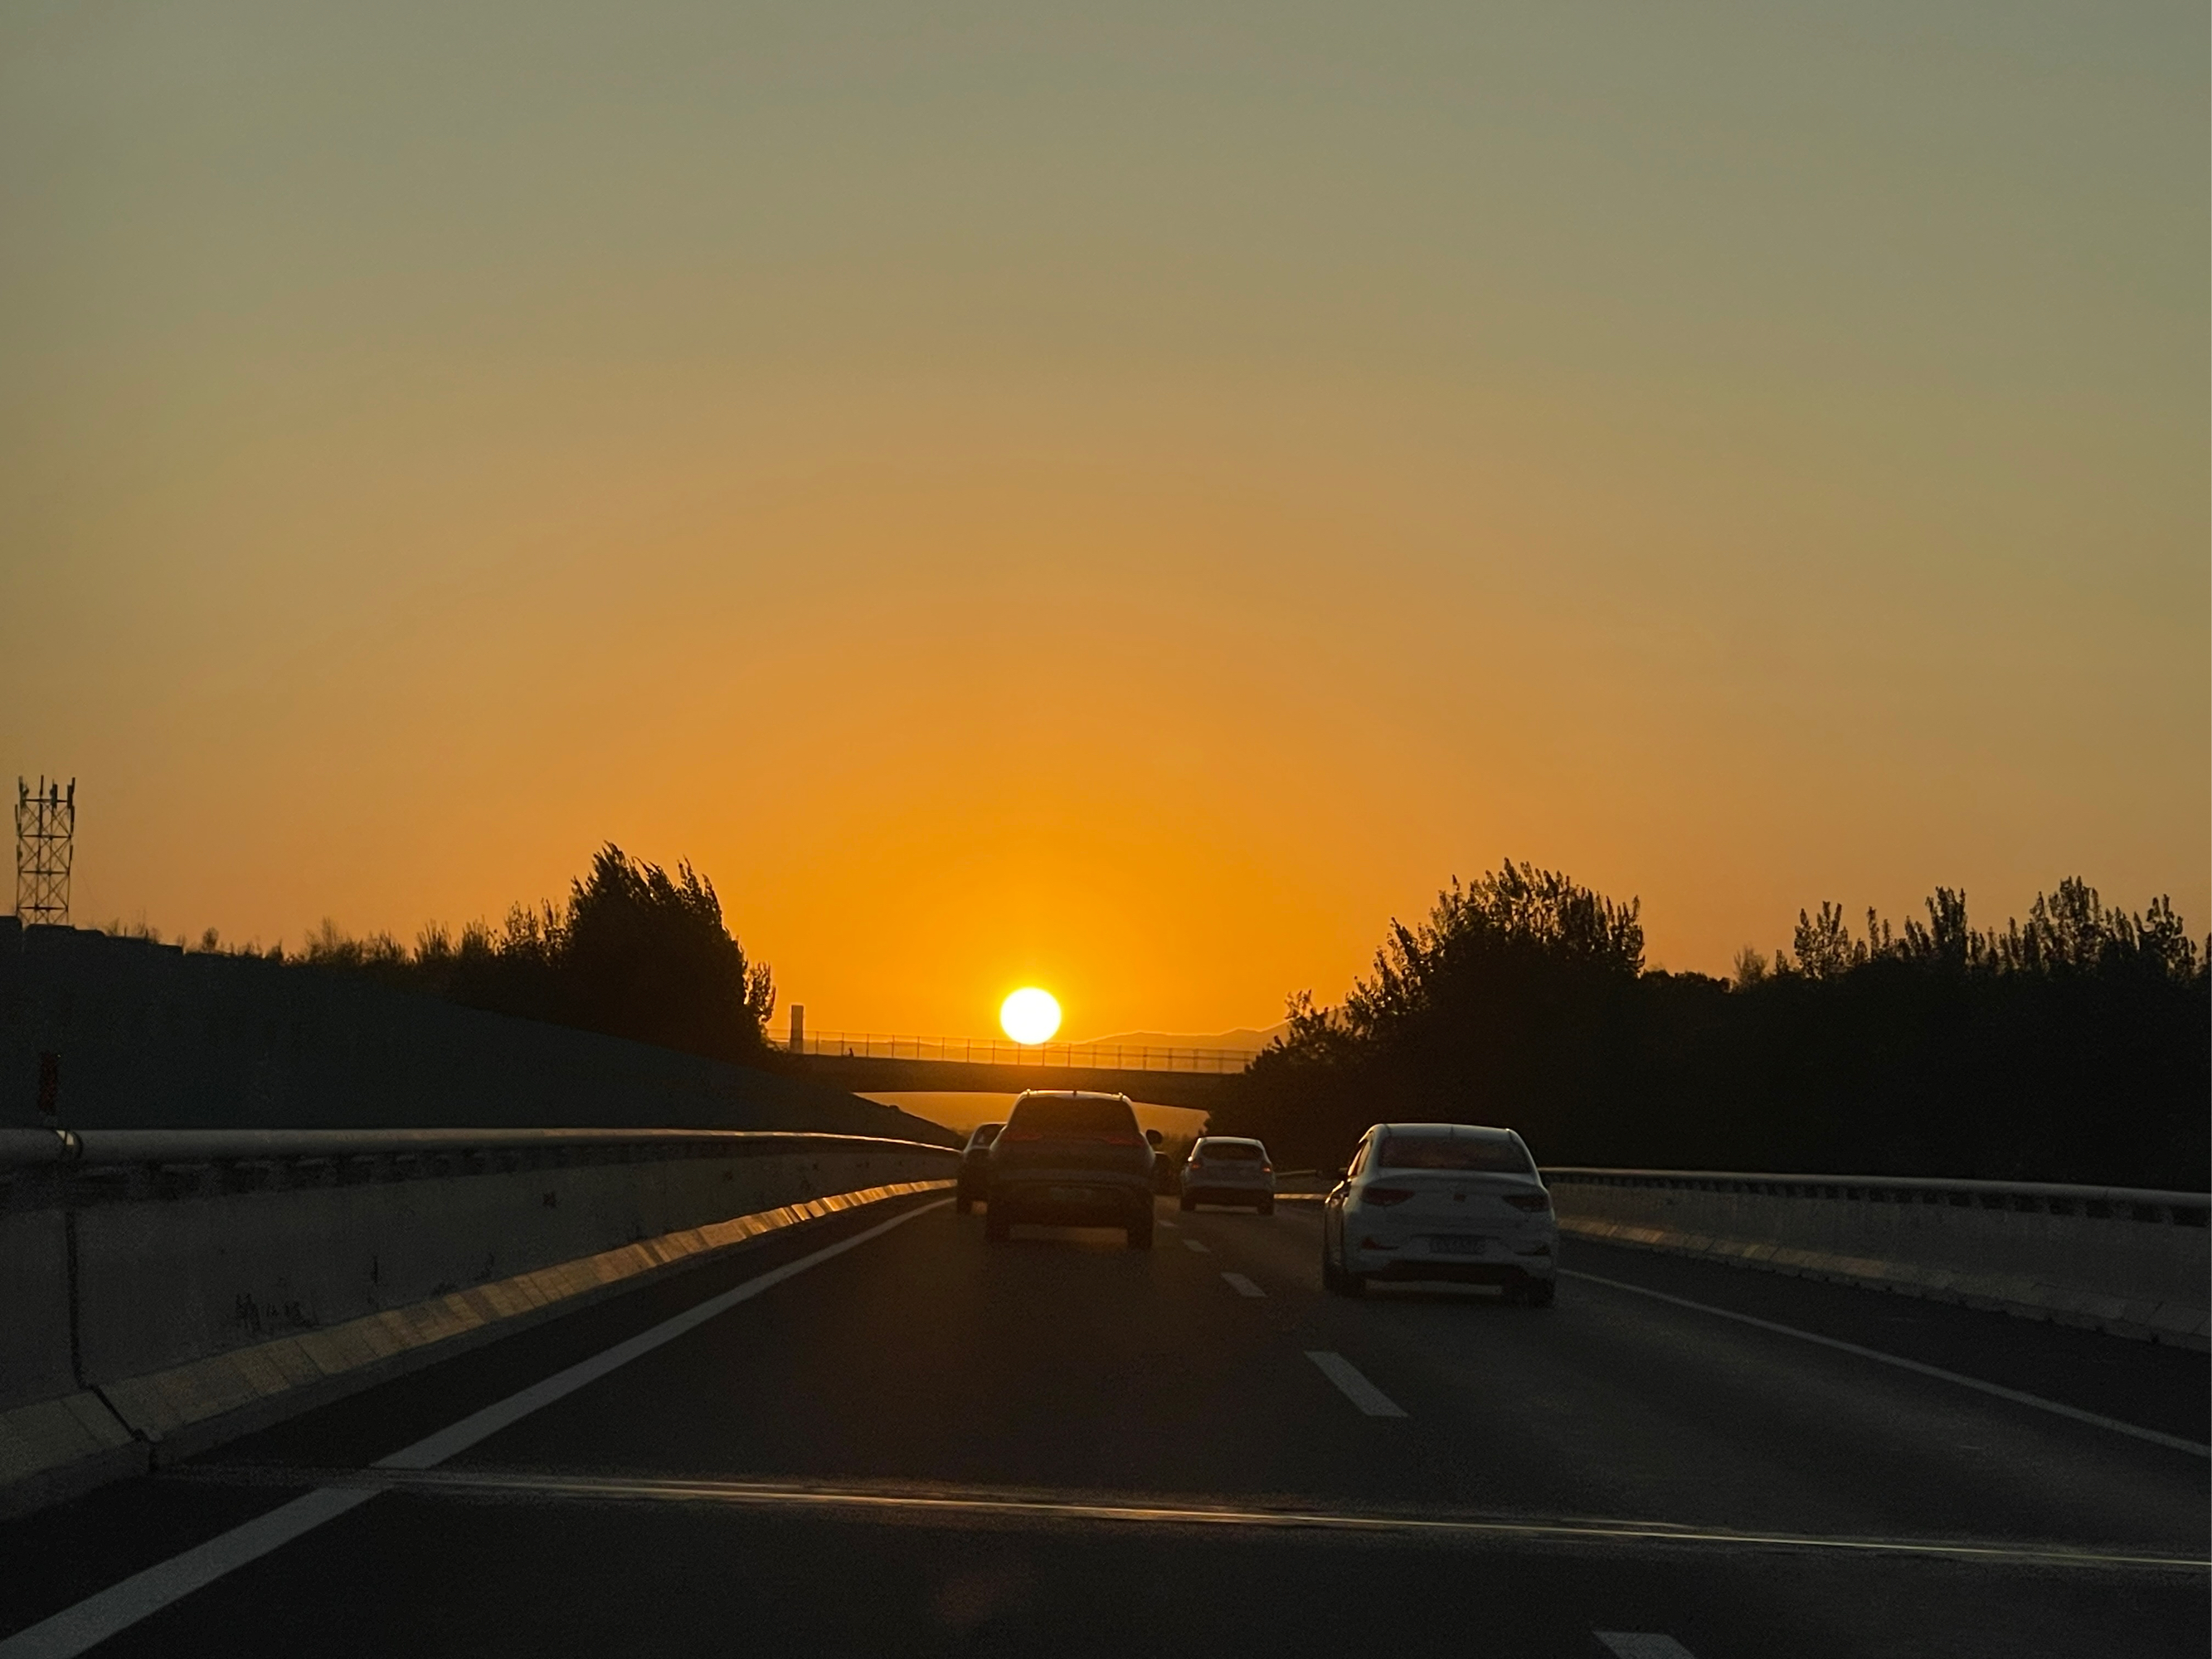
(1154, 1139)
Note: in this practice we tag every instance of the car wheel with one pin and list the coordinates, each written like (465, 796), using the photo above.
(996, 1228)
(1539, 1293)
(963, 1204)
(1338, 1282)
(1141, 1234)
(1188, 1203)
(1267, 1207)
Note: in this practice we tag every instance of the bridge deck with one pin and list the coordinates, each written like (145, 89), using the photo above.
(862, 1074)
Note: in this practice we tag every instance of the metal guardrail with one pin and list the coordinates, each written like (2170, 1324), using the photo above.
(2127, 1203)
(105, 1164)
(993, 1051)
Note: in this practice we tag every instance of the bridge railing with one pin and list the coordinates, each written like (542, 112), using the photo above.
(993, 1051)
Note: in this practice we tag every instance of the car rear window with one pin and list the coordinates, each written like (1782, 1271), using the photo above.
(1074, 1117)
(986, 1133)
(1214, 1152)
(1452, 1152)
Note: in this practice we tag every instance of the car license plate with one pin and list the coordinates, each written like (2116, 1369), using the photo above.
(1070, 1194)
(1457, 1244)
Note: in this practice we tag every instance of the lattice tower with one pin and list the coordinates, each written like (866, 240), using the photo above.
(45, 841)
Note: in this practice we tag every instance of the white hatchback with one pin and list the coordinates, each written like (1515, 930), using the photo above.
(1448, 1201)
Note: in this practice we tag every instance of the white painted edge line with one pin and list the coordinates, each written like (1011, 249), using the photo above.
(1996, 1390)
(1356, 1389)
(1198, 1245)
(1642, 1644)
(98, 1617)
(1242, 1285)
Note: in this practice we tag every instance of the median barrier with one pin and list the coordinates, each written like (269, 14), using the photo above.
(2122, 1260)
(167, 1289)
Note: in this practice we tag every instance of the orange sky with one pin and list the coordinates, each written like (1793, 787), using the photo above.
(1124, 504)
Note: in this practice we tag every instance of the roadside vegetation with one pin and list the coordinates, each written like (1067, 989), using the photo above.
(2071, 1046)
(633, 952)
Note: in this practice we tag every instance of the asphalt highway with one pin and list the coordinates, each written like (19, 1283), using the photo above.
(917, 1443)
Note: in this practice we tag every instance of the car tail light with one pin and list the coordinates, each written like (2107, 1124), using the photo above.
(1267, 1168)
(1386, 1196)
(1529, 1200)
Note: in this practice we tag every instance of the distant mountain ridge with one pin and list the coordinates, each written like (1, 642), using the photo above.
(1243, 1037)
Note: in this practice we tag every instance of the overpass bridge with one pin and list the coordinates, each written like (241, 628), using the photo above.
(868, 1062)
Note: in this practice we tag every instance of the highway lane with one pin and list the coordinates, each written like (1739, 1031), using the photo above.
(991, 1420)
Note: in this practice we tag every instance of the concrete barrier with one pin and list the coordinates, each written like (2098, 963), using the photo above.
(2132, 1262)
(168, 1289)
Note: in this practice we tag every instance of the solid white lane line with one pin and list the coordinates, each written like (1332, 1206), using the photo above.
(1242, 1285)
(480, 1426)
(1356, 1389)
(1194, 1244)
(1642, 1644)
(96, 1617)
(1994, 1389)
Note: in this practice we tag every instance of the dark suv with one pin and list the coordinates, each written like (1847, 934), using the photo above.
(1075, 1160)
(975, 1167)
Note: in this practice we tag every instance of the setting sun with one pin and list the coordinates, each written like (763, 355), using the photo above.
(1029, 1015)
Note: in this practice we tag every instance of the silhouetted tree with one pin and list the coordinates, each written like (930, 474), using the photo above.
(633, 952)
(2074, 1046)
(646, 955)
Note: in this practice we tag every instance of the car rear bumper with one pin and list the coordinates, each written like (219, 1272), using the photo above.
(1072, 1200)
(1252, 1194)
(1507, 1261)
(1433, 1272)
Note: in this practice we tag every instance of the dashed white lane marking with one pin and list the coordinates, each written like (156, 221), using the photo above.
(1164, 1222)
(120, 1606)
(1642, 1644)
(1356, 1389)
(1242, 1285)
(1194, 1244)
(1913, 1365)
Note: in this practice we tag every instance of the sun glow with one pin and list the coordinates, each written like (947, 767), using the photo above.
(1029, 1015)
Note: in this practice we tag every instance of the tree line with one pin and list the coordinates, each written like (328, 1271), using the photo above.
(633, 952)
(2070, 1046)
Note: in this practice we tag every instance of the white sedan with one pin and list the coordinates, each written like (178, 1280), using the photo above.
(1449, 1201)
(1229, 1169)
